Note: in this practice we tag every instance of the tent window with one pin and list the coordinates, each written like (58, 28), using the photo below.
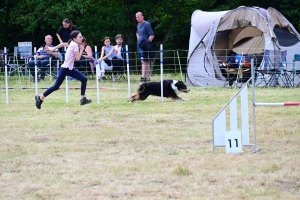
(285, 38)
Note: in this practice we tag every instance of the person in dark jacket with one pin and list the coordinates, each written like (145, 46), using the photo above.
(63, 33)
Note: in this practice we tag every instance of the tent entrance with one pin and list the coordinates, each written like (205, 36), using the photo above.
(246, 40)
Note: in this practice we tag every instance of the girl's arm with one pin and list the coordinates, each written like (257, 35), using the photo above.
(79, 53)
(111, 51)
(60, 45)
(102, 54)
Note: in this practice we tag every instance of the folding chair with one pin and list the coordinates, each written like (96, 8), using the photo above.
(14, 65)
(2, 61)
(54, 66)
(273, 70)
(237, 76)
(294, 76)
(86, 69)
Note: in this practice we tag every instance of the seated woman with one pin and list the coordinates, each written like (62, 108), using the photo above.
(86, 58)
(105, 60)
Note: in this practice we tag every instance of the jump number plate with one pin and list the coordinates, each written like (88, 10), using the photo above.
(233, 142)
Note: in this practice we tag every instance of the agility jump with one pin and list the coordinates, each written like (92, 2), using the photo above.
(222, 137)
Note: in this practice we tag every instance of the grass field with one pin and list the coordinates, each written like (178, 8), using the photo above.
(145, 150)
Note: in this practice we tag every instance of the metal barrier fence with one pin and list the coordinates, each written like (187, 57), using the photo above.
(175, 62)
(17, 70)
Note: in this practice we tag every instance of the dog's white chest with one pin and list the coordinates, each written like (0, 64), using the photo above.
(174, 87)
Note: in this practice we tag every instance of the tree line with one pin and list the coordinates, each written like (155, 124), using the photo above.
(32, 20)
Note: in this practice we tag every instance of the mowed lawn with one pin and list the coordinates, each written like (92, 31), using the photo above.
(142, 150)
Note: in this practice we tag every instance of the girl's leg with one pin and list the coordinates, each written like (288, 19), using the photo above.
(63, 72)
(100, 69)
(103, 64)
(78, 75)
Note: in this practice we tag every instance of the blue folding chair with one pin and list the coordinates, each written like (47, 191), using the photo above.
(274, 70)
(294, 76)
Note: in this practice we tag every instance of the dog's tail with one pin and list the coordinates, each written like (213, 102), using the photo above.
(141, 89)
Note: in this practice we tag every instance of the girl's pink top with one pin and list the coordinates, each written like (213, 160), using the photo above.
(70, 55)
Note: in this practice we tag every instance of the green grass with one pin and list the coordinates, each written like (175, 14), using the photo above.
(145, 150)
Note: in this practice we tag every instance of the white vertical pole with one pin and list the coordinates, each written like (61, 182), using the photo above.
(253, 107)
(67, 90)
(97, 82)
(67, 87)
(35, 72)
(245, 115)
(233, 115)
(128, 73)
(180, 67)
(6, 77)
(161, 73)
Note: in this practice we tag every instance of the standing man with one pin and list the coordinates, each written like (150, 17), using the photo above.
(144, 36)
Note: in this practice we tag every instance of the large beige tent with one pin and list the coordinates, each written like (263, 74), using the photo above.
(245, 30)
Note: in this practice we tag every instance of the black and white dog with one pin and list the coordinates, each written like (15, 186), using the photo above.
(171, 89)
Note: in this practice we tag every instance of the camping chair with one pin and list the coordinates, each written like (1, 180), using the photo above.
(273, 70)
(237, 76)
(2, 64)
(87, 69)
(54, 66)
(110, 70)
(13, 64)
(294, 76)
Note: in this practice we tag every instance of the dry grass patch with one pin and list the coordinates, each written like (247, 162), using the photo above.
(145, 150)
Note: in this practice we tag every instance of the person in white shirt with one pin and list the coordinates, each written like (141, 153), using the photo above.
(118, 60)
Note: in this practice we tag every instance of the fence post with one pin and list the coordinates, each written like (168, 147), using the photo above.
(6, 78)
(128, 72)
(67, 86)
(97, 71)
(161, 73)
(180, 66)
(35, 72)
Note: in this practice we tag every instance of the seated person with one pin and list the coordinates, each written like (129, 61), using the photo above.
(86, 57)
(234, 60)
(105, 60)
(43, 57)
(118, 61)
(231, 62)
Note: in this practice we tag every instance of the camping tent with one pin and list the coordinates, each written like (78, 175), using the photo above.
(245, 30)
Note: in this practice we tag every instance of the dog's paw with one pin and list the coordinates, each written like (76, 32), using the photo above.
(132, 100)
(184, 99)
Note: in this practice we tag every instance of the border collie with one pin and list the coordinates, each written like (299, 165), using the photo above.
(171, 89)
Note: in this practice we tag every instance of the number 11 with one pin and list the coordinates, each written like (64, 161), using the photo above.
(236, 142)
